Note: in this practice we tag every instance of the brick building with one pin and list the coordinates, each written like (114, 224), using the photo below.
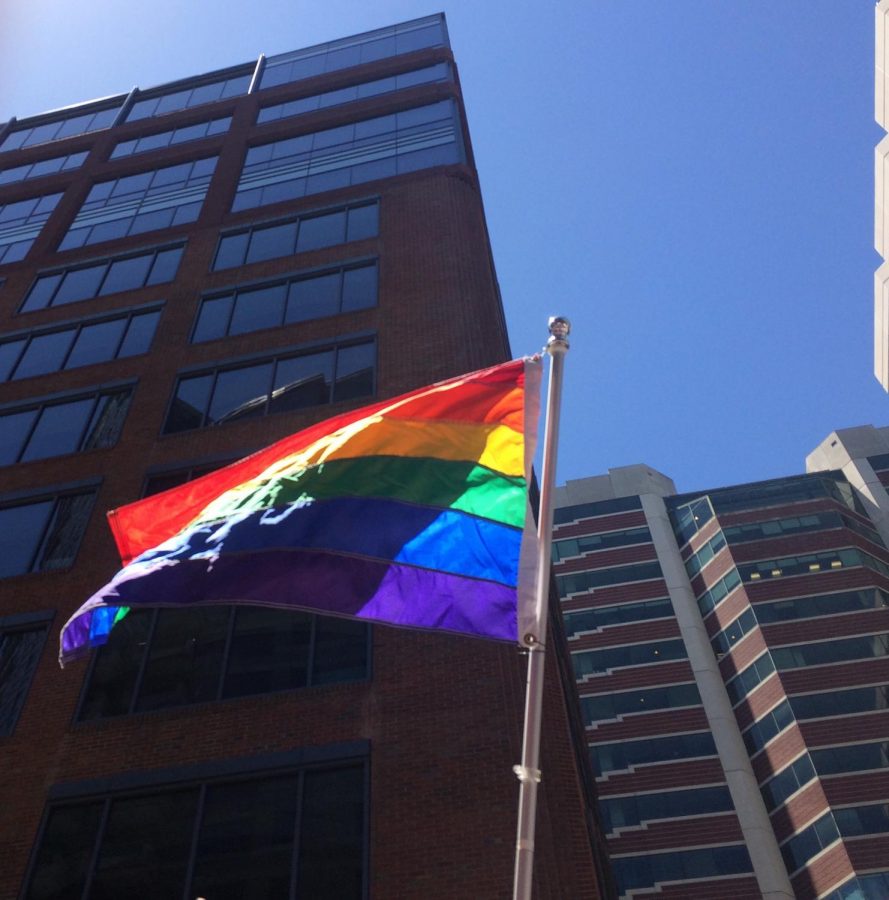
(188, 273)
(731, 652)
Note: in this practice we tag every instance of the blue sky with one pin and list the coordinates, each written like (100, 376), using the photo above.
(690, 182)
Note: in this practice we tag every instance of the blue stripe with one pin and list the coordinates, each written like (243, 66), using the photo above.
(388, 530)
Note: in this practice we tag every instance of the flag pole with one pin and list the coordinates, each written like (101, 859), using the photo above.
(528, 772)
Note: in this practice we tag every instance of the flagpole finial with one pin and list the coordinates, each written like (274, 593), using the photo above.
(559, 329)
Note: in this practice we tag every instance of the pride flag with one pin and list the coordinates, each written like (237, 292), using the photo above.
(413, 511)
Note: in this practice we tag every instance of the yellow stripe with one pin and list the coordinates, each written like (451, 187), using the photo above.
(497, 447)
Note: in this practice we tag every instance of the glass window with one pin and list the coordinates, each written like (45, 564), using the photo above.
(42, 167)
(602, 616)
(826, 652)
(601, 707)
(591, 662)
(45, 353)
(173, 677)
(364, 222)
(650, 751)
(624, 812)
(851, 758)
(749, 678)
(20, 649)
(123, 273)
(157, 659)
(186, 98)
(20, 223)
(843, 702)
(322, 231)
(302, 381)
(263, 306)
(56, 428)
(348, 154)
(59, 429)
(166, 264)
(173, 136)
(238, 392)
(257, 834)
(10, 351)
(232, 250)
(256, 308)
(66, 849)
(80, 283)
(78, 345)
(15, 428)
(587, 543)
(583, 581)
(141, 202)
(213, 318)
(798, 850)
(312, 298)
(820, 605)
(189, 405)
(634, 872)
(776, 790)
(271, 242)
(354, 372)
(76, 121)
(139, 333)
(95, 342)
(42, 534)
(146, 843)
(359, 288)
(767, 727)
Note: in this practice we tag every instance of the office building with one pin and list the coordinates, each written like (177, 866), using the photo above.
(190, 272)
(731, 653)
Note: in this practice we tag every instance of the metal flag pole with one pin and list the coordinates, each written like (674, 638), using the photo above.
(528, 771)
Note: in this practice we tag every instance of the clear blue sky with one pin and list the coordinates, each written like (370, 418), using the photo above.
(690, 182)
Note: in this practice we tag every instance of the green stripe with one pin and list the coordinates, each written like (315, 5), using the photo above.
(446, 484)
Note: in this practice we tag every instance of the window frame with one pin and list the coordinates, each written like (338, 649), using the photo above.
(226, 657)
(77, 326)
(262, 224)
(247, 287)
(108, 262)
(87, 487)
(22, 622)
(202, 776)
(282, 354)
(41, 403)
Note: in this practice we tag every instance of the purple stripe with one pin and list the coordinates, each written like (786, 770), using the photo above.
(317, 581)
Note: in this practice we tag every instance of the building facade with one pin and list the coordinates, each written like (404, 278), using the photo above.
(731, 653)
(189, 273)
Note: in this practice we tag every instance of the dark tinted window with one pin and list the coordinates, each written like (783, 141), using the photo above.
(20, 649)
(42, 534)
(157, 659)
(55, 428)
(110, 275)
(255, 835)
(278, 385)
(297, 235)
(85, 343)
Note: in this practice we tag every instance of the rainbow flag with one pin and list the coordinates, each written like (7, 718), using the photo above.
(412, 511)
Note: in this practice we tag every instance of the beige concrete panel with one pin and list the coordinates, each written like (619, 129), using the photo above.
(881, 325)
(881, 206)
(881, 66)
